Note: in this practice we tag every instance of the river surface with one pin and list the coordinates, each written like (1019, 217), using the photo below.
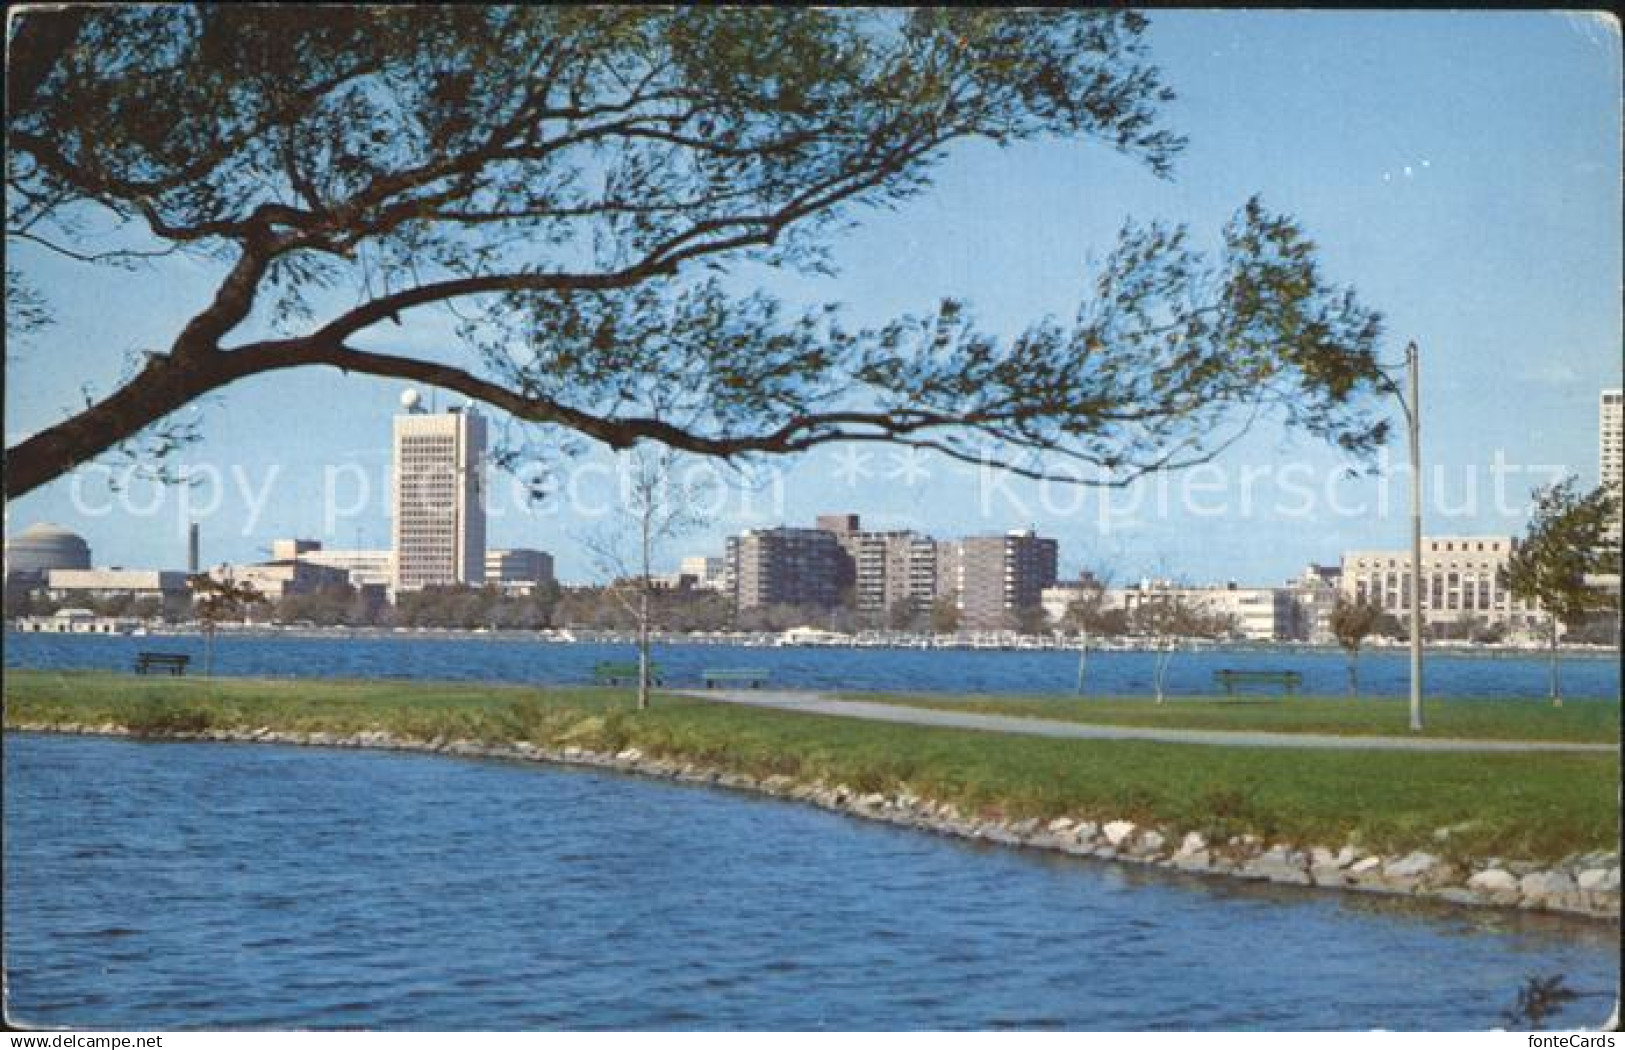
(910, 670)
(177, 885)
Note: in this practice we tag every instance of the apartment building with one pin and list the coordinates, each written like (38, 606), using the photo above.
(894, 568)
(785, 566)
(994, 579)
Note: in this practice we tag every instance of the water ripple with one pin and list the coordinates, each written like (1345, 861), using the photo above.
(353, 890)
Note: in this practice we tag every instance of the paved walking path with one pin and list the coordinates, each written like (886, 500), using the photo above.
(819, 704)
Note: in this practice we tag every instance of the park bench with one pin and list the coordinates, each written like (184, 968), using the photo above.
(608, 673)
(174, 663)
(751, 677)
(1288, 680)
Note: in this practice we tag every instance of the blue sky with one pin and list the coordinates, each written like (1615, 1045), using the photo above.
(1460, 170)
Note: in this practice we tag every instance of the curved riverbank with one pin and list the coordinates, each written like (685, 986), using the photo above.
(1584, 885)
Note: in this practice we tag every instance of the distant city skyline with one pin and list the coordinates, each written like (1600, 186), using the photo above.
(1461, 170)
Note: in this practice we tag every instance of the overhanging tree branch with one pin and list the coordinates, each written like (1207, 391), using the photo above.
(562, 176)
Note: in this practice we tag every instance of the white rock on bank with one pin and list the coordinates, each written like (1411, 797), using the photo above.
(1192, 843)
(1546, 885)
(1600, 880)
(1411, 866)
(1117, 831)
(1495, 880)
(1280, 864)
(1195, 860)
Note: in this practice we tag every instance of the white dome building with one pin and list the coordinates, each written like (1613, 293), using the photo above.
(40, 548)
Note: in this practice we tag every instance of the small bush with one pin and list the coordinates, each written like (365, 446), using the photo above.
(156, 717)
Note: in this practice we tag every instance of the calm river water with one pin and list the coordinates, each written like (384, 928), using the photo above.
(942, 670)
(173, 885)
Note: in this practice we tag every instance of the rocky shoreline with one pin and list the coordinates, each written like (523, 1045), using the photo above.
(1584, 885)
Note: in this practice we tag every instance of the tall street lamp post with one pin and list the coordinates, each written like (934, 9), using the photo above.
(1411, 403)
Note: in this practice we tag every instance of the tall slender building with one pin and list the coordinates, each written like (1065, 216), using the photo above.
(439, 520)
(1611, 449)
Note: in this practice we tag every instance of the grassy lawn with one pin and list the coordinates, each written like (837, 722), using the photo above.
(1587, 721)
(1534, 807)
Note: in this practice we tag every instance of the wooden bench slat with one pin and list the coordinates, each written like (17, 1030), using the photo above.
(1230, 677)
(174, 663)
(749, 676)
(611, 672)
(752, 676)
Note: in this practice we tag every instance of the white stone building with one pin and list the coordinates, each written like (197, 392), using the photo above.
(1460, 582)
(1254, 613)
(708, 573)
(438, 526)
(68, 584)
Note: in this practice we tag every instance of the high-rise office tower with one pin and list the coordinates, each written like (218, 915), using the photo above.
(439, 519)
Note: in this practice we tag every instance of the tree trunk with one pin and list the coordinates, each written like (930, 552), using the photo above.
(1354, 675)
(1554, 685)
(208, 653)
(643, 648)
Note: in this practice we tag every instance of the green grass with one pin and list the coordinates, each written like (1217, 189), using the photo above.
(1581, 721)
(1536, 807)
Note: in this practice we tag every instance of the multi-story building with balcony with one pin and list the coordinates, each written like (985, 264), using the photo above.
(994, 579)
(785, 566)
